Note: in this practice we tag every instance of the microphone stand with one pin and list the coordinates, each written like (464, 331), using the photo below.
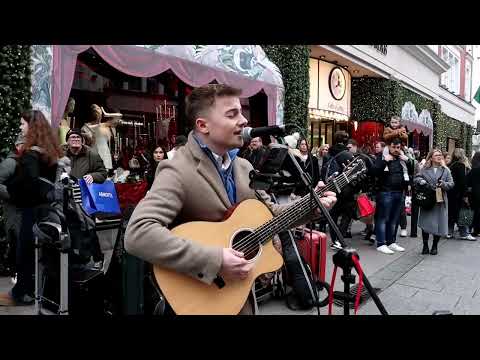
(343, 258)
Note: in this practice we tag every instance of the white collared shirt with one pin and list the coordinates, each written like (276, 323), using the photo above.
(223, 161)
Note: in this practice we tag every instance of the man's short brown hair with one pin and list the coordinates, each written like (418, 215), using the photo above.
(203, 98)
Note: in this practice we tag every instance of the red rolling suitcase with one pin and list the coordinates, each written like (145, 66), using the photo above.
(313, 247)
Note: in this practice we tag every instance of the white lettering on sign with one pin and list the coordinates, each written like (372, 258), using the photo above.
(105, 194)
(336, 107)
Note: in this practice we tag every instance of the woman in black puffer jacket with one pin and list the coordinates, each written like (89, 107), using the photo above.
(37, 159)
(473, 182)
(457, 197)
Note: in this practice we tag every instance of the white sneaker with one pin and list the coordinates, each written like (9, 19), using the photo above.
(395, 247)
(468, 237)
(13, 279)
(384, 249)
(403, 233)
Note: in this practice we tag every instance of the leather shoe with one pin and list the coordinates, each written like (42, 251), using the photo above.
(433, 251)
(425, 250)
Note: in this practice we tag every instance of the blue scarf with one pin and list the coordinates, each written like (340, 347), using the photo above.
(227, 174)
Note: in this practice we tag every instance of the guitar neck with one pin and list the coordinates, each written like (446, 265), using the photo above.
(296, 211)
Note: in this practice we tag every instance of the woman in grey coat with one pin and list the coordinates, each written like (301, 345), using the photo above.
(435, 221)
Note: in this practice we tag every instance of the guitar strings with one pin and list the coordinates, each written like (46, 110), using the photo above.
(265, 231)
(264, 235)
(283, 221)
(268, 230)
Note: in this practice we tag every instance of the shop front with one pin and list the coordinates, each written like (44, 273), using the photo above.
(329, 102)
(134, 94)
(419, 127)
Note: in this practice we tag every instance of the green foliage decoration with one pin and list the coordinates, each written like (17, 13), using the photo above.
(15, 91)
(293, 63)
(379, 99)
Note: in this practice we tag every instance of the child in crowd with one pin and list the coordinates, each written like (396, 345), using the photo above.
(395, 130)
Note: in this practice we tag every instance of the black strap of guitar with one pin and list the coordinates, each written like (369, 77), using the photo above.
(293, 261)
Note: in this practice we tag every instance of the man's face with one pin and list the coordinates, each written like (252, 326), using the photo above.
(74, 142)
(255, 143)
(352, 148)
(378, 148)
(394, 124)
(395, 149)
(223, 124)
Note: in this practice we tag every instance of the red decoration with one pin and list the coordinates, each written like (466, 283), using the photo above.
(368, 132)
(131, 193)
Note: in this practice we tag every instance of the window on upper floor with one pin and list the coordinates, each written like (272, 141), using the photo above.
(468, 81)
(451, 78)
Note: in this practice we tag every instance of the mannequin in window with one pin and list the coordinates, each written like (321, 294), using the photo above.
(89, 129)
(65, 122)
(99, 135)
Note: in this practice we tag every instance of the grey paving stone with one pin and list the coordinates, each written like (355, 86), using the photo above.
(421, 284)
(415, 274)
(398, 290)
(434, 299)
(388, 274)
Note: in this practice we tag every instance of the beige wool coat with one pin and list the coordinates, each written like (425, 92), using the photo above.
(186, 188)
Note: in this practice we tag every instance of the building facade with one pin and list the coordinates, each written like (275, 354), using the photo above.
(428, 86)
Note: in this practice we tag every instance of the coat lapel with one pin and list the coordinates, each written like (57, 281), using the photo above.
(207, 170)
(241, 182)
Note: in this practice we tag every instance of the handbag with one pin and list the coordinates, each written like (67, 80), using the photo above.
(465, 216)
(425, 197)
(99, 199)
(365, 207)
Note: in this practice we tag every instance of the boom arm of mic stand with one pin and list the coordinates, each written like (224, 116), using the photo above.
(308, 183)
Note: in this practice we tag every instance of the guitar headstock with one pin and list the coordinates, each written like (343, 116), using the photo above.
(356, 170)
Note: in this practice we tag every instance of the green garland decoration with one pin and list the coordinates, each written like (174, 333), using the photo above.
(379, 99)
(15, 91)
(292, 61)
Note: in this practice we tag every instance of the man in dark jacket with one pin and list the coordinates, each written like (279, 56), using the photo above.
(85, 162)
(255, 152)
(338, 156)
(391, 196)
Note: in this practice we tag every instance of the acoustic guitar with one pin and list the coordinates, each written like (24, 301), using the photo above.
(250, 229)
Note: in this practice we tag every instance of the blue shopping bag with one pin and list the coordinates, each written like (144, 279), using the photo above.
(99, 199)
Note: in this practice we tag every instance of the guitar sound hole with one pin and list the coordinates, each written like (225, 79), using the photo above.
(250, 248)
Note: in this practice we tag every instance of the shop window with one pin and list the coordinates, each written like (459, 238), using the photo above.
(451, 78)
(468, 81)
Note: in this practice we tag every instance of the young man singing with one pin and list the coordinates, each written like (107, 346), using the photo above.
(200, 184)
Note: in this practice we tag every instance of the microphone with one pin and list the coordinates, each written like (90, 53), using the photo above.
(249, 133)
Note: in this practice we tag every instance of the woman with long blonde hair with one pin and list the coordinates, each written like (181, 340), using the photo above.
(459, 167)
(436, 175)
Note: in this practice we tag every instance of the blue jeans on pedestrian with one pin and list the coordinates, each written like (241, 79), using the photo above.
(387, 214)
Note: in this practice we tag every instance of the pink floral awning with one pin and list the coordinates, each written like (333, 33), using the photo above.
(144, 62)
